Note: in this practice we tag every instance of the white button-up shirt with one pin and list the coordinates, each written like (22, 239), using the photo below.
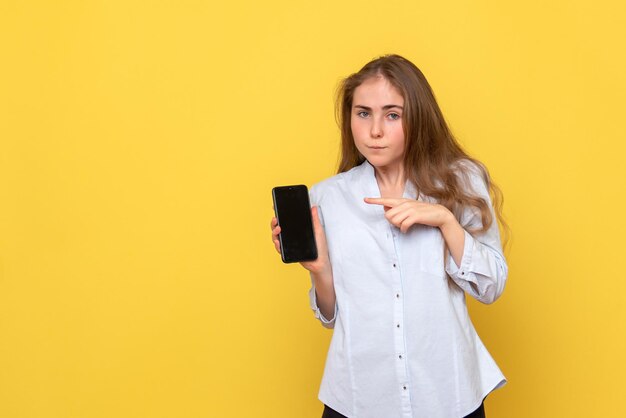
(403, 344)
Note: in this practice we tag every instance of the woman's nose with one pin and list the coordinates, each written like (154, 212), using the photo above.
(377, 129)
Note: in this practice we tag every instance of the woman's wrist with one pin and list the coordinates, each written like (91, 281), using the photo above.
(448, 219)
(454, 236)
(323, 276)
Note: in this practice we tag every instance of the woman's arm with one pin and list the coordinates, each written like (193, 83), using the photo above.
(454, 236)
(323, 300)
(474, 262)
(322, 293)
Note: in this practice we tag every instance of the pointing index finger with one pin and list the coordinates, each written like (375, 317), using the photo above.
(390, 202)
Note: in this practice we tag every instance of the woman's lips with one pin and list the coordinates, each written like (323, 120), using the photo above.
(376, 147)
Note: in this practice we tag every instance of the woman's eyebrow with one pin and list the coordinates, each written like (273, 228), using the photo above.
(385, 107)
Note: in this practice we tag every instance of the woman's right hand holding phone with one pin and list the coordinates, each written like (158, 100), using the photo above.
(321, 265)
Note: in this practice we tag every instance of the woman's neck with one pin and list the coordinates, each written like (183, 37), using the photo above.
(391, 180)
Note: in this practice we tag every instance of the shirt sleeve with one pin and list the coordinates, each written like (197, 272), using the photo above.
(327, 323)
(483, 270)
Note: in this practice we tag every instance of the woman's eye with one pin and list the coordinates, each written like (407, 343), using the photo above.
(363, 114)
(394, 116)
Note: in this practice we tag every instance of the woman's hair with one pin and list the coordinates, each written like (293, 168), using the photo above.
(433, 160)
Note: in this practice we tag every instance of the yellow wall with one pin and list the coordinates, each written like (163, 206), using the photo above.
(139, 144)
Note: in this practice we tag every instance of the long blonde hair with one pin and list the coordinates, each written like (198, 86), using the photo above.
(432, 156)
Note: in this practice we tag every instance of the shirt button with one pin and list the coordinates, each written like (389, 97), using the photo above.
(398, 295)
(404, 387)
(462, 273)
(398, 326)
(395, 265)
(400, 356)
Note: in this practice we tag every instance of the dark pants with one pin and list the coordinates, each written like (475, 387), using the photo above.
(331, 413)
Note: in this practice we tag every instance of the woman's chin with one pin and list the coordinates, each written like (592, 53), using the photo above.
(378, 161)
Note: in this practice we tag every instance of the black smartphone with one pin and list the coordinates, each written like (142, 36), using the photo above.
(293, 212)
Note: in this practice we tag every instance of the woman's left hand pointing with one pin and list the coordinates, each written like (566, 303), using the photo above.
(404, 213)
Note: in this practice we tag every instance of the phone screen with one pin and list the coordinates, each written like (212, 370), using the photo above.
(293, 211)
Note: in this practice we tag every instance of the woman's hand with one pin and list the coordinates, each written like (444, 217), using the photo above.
(404, 213)
(319, 266)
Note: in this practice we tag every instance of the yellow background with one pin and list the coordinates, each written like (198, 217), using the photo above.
(139, 144)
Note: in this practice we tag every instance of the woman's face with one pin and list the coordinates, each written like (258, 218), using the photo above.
(376, 122)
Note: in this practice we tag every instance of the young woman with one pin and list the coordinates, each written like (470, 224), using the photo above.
(403, 231)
